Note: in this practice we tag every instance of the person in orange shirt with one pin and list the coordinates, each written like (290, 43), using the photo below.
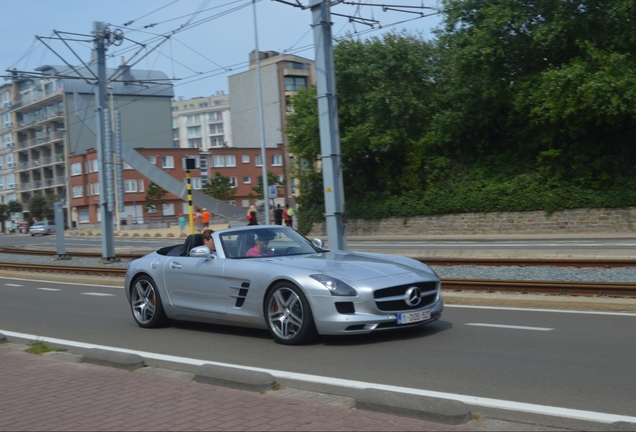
(205, 218)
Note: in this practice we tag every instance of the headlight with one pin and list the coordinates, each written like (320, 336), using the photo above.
(335, 286)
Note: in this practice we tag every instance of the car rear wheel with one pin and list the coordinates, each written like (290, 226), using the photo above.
(288, 315)
(145, 303)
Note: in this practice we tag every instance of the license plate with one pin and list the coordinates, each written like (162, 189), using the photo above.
(411, 317)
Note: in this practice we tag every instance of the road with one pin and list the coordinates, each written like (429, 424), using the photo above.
(577, 360)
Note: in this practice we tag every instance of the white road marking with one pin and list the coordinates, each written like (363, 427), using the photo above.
(49, 289)
(65, 283)
(98, 294)
(541, 310)
(12, 285)
(510, 327)
(472, 400)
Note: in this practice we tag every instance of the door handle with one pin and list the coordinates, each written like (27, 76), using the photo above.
(175, 265)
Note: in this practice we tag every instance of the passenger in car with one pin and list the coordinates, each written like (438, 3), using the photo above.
(260, 249)
(208, 240)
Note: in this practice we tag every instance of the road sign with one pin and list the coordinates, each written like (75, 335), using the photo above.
(272, 192)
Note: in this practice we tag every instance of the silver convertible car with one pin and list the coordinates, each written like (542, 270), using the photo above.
(271, 277)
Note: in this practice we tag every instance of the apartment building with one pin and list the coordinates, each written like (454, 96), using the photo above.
(84, 186)
(53, 117)
(8, 181)
(202, 122)
(282, 75)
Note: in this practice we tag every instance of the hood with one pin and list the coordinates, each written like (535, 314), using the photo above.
(359, 266)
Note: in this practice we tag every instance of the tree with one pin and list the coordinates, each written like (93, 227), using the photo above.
(272, 180)
(4, 214)
(14, 207)
(155, 199)
(219, 187)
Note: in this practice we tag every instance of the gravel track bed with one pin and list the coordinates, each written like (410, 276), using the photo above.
(539, 273)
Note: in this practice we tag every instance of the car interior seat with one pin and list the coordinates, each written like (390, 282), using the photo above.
(192, 241)
(247, 244)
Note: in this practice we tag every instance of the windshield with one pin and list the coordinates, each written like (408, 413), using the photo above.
(266, 242)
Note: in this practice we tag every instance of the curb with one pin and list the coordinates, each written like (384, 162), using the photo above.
(113, 359)
(237, 378)
(420, 407)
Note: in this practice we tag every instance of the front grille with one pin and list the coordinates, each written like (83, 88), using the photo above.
(345, 308)
(394, 298)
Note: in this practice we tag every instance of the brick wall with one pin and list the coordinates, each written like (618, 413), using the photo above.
(535, 222)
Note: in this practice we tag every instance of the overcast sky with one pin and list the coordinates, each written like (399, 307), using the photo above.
(204, 48)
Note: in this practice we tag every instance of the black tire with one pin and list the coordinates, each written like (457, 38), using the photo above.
(288, 315)
(145, 303)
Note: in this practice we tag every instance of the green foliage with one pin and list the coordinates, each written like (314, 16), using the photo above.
(515, 105)
(155, 198)
(14, 207)
(272, 180)
(41, 206)
(219, 187)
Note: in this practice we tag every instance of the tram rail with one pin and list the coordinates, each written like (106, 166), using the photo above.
(556, 288)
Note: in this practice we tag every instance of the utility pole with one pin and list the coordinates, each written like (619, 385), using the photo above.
(104, 146)
(328, 125)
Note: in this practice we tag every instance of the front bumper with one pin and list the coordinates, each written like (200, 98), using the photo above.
(337, 323)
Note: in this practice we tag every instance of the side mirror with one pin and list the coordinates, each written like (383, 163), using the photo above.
(201, 252)
(319, 243)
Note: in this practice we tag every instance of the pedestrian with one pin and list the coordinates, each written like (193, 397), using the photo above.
(278, 215)
(181, 223)
(288, 215)
(205, 218)
(251, 216)
(197, 220)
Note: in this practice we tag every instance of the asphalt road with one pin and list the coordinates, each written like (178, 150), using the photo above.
(571, 360)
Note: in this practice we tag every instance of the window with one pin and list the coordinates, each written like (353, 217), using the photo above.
(141, 185)
(195, 143)
(130, 186)
(294, 83)
(194, 131)
(218, 161)
(233, 181)
(175, 133)
(195, 182)
(92, 166)
(78, 191)
(215, 116)
(247, 180)
(258, 160)
(245, 158)
(277, 160)
(230, 161)
(93, 188)
(76, 168)
(7, 120)
(152, 159)
(193, 120)
(216, 141)
(83, 216)
(167, 161)
(203, 104)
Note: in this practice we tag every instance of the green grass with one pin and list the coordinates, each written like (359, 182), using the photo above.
(39, 347)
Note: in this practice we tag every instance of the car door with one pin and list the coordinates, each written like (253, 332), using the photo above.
(196, 284)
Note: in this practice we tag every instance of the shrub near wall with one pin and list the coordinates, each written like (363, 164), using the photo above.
(588, 221)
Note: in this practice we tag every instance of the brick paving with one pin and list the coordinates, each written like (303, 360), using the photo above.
(40, 393)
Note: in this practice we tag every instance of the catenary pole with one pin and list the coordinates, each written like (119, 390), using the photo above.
(105, 190)
(262, 120)
(328, 125)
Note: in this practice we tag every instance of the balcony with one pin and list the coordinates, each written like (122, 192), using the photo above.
(42, 183)
(46, 139)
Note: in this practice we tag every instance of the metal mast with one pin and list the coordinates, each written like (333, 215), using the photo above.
(328, 121)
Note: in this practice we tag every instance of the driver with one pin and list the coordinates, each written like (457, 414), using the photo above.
(260, 249)
(208, 240)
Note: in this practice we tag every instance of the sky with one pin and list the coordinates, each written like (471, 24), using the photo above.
(209, 39)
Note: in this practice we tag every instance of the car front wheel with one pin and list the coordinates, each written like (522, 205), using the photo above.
(288, 315)
(145, 303)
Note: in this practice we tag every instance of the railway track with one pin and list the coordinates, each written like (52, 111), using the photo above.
(587, 289)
